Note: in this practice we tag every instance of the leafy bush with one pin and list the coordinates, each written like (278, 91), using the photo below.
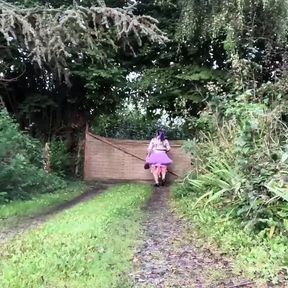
(241, 163)
(61, 159)
(134, 125)
(20, 164)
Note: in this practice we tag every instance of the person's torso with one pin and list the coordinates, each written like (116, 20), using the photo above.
(159, 146)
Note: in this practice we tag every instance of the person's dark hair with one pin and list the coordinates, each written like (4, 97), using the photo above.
(161, 134)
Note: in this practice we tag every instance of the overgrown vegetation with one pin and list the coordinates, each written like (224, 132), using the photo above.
(126, 124)
(240, 176)
(21, 167)
(90, 245)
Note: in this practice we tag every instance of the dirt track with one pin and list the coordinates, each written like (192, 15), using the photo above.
(168, 258)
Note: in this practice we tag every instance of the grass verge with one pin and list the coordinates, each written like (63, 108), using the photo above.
(256, 256)
(13, 211)
(90, 245)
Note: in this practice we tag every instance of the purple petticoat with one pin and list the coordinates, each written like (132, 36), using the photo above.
(159, 158)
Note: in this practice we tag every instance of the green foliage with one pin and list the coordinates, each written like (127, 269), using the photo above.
(260, 258)
(240, 163)
(236, 18)
(89, 246)
(85, 28)
(13, 211)
(61, 158)
(20, 164)
(179, 89)
(127, 124)
(105, 88)
(13, 141)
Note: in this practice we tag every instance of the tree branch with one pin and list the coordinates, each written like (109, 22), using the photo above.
(54, 35)
(14, 79)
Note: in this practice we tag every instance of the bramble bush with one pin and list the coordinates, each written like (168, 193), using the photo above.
(21, 173)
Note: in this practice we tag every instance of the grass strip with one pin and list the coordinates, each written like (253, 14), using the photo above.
(258, 257)
(90, 245)
(13, 211)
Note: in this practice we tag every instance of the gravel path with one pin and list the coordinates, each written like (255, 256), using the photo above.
(168, 258)
(28, 223)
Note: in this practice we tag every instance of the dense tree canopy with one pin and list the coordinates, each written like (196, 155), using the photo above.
(231, 44)
(53, 35)
(40, 44)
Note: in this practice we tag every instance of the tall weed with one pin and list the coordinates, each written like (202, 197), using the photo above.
(241, 163)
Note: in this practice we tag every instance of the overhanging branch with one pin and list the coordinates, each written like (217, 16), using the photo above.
(54, 35)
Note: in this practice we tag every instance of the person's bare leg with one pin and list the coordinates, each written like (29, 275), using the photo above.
(163, 173)
(155, 173)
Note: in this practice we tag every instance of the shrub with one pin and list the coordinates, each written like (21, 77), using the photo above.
(61, 159)
(134, 125)
(241, 166)
(20, 163)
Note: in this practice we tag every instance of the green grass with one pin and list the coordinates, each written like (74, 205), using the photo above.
(11, 212)
(256, 256)
(90, 245)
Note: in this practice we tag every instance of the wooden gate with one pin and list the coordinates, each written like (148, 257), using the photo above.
(109, 159)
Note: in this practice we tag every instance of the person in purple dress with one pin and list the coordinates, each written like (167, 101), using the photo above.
(157, 157)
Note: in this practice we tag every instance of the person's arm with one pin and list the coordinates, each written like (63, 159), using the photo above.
(167, 145)
(150, 148)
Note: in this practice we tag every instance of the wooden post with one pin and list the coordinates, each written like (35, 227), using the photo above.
(85, 152)
(78, 158)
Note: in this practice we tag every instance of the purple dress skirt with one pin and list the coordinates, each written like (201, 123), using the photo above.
(159, 158)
